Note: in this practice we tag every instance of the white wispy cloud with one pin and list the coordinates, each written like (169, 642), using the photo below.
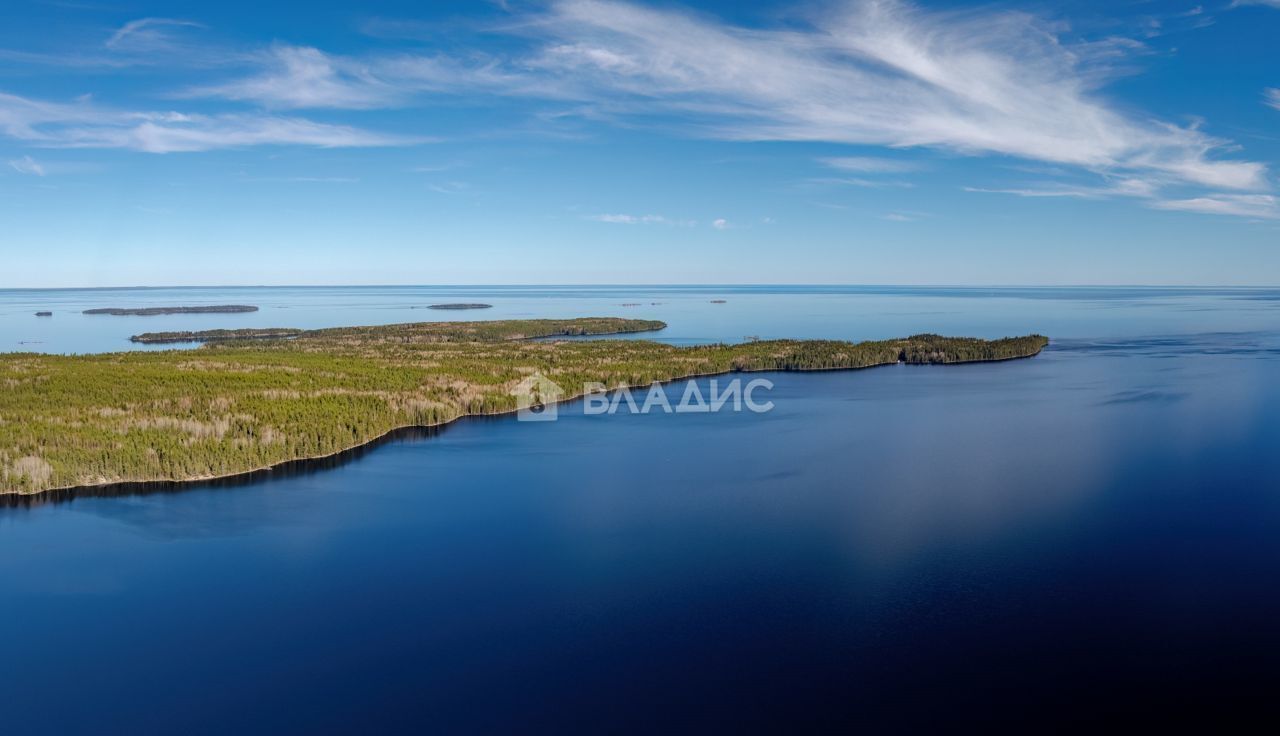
(720, 223)
(83, 124)
(168, 133)
(307, 77)
(146, 42)
(906, 215)
(1053, 191)
(308, 179)
(449, 187)
(870, 164)
(868, 72)
(983, 81)
(27, 165)
(1122, 188)
(1254, 206)
(1272, 97)
(883, 73)
(621, 219)
(858, 181)
(146, 35)
(1258, 206)
(435, 168)
(304, 77)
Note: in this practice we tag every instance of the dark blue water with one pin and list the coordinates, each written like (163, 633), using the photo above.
(1092, 532)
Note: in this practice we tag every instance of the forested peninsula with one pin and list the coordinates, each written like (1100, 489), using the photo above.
(238, 405)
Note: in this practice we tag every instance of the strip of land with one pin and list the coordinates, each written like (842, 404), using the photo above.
(235, 406)
(247, 333)
(152, 311)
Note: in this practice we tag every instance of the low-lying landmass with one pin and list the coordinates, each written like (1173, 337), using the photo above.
(460, 306)
(152, 311)
(44, 314)
(247, 333)
(231, 407)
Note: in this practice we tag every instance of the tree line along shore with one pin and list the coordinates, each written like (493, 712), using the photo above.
(247, 333)
(234, 406)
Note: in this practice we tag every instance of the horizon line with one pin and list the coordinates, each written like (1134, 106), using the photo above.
(139, 287)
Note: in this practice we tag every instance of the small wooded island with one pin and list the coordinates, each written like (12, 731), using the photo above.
(236, 406)
(460, 306)
(152, 311)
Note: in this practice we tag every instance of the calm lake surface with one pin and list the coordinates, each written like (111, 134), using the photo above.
(1093, 530)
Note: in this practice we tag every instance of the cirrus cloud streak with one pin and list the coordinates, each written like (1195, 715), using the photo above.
(879, 72)
(83, 124)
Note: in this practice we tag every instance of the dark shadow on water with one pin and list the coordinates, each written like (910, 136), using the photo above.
(1140, 396)
(1258, 344)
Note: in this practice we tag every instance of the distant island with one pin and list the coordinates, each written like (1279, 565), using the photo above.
(238, 405)
(460, 306)
(248, 333)
(44, 314)
(152, 311)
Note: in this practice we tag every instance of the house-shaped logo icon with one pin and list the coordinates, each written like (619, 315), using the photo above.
(536, 398)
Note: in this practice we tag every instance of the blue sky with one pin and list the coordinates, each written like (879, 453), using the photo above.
(579, 141)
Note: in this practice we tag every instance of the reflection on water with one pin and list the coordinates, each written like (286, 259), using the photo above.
(889, 549)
